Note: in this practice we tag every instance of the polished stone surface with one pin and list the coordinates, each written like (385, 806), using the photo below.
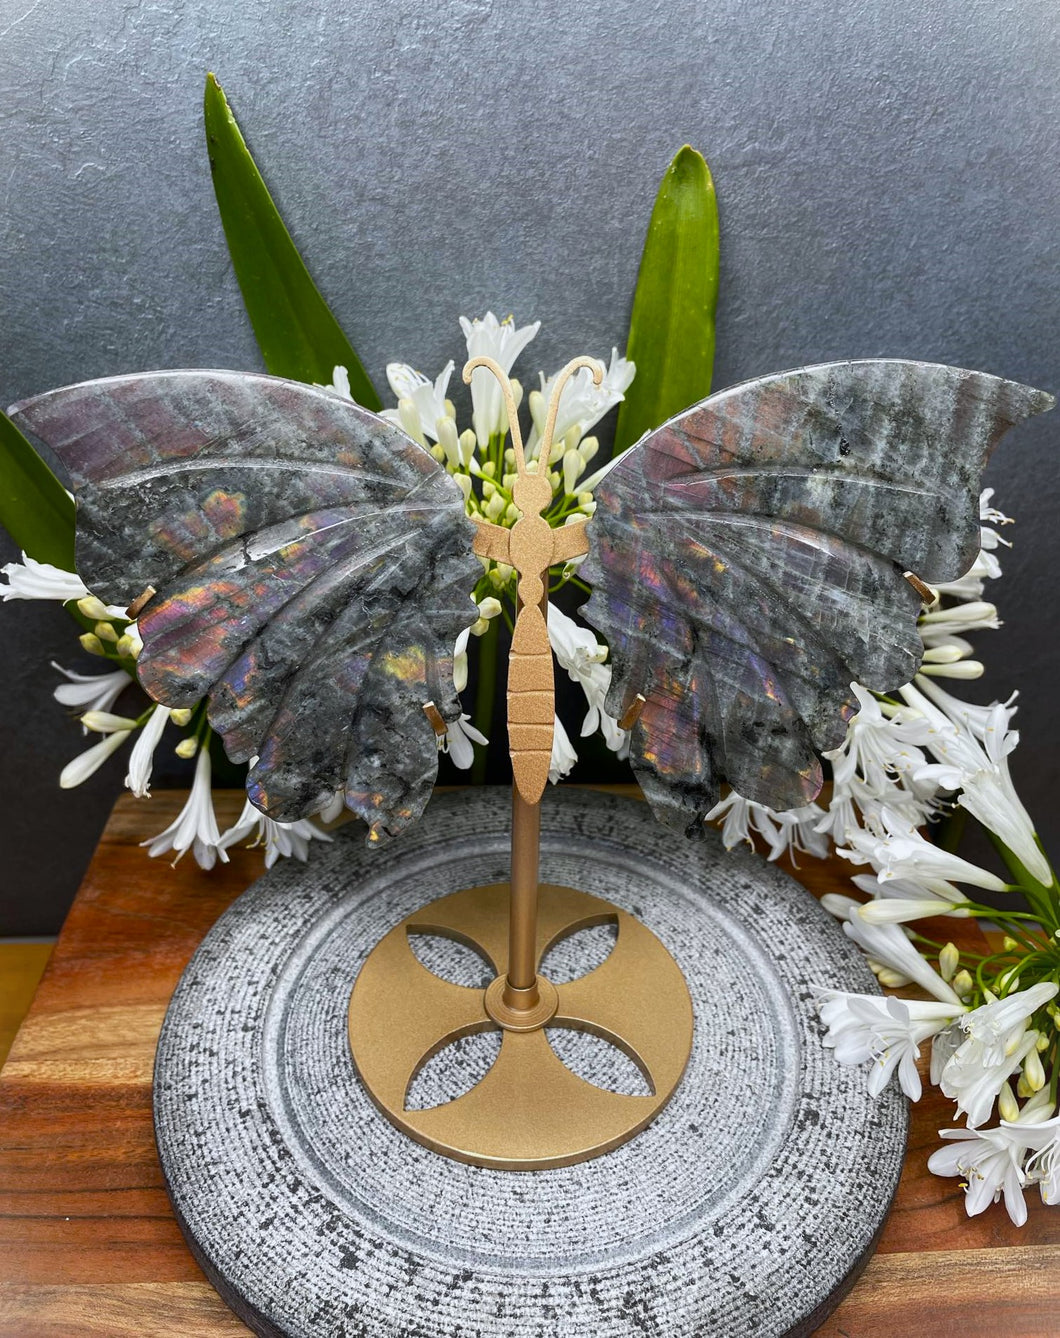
(747, 564)
(313, 569)
(744, 1209)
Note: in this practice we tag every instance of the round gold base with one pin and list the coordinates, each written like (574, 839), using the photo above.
(530, 1111)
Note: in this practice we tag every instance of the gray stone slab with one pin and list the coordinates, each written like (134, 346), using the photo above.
(746, 1208)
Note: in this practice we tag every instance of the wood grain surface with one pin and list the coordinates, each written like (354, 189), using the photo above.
(89, 1246)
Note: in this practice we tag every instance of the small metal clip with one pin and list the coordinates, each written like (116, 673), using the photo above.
(631, 714)
(926, 593)
(435, 717)
(141, 601)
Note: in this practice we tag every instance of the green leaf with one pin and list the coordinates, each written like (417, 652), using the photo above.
(671, 331)
(35, 508)
(298, 336)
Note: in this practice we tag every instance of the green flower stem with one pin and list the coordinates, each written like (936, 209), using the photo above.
(487, 684)
(1042, 899)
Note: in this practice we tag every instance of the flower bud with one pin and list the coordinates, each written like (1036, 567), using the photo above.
(91, 643)
(1007, 1105)
(555, 480)
(585, 499)
(508, 481)
(509, 458)
(129, 646)
(449, 440)
(488, 488)
(587, 448)
(490, 469)
(468, 442)
(463, 482)
(187, 747)
(489, 607)
(106, 632)
(573, 469)
(511, 514)
(438, 452)
(963, 984)
(949, 960)
(1023, 1088)
(948, 654)
(103, 722)
(92, 608)
(962, 669)
(495, 506)
(892, 979)
(1043, 1042)
(181, 716)
(517, 390)
(1009, 943)
(409, 418)
(450, 409)
(1033, 1071)
(555, 455)
(479, 627)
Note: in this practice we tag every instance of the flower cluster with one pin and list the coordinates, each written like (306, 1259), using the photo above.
(991, 1018)
(482, 463)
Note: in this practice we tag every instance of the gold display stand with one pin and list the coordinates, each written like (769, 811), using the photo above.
(530, 1111)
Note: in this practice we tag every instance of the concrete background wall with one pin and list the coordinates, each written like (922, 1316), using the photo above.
(887, 183)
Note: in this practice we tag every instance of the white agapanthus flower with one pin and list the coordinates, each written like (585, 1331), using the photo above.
(898, 851)
(582, 403)
(991, 1161)
(460, 735)
(502, 341)
(90, 692)
(86, 764)
(582, 656)
(792, 829)
(30, 579)
(877, 747)
(975, 1073)
(974, 760)
(422, 403)
(195, 826)
(887, 1032)
(141, 759)
(1043, 1141)
(289, 839)
(889, 946)
(563, 755)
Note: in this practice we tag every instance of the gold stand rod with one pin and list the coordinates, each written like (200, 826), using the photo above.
(520, 991)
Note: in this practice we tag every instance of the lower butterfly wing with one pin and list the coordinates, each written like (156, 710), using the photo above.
(311, 565)
(748, 563)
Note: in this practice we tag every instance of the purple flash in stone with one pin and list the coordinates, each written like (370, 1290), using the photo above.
(748, 562)
(313, 568)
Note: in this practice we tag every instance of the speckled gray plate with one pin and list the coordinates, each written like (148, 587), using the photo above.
(746, 1208)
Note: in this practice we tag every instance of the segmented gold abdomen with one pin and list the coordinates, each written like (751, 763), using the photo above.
(530, 703)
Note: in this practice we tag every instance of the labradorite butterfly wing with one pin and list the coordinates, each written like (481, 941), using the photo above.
(313, 570)
(748, 560)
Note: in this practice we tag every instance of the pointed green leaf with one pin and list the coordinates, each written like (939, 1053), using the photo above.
(671, 331)
(35, 508)
(298, 336)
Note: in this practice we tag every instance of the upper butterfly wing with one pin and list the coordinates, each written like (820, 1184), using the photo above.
(748, 560)
(313, 569)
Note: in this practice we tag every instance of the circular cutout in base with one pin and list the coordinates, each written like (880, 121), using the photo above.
(745, 1207)
(530, 1111)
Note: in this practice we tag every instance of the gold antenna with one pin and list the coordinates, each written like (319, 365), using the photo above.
(563, 376)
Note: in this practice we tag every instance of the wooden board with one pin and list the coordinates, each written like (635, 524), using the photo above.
(89, 1246)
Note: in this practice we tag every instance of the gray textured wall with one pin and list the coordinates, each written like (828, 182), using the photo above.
(887, 181)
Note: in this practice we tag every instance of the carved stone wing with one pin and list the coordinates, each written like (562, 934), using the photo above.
(748, 556)
(313, 569)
